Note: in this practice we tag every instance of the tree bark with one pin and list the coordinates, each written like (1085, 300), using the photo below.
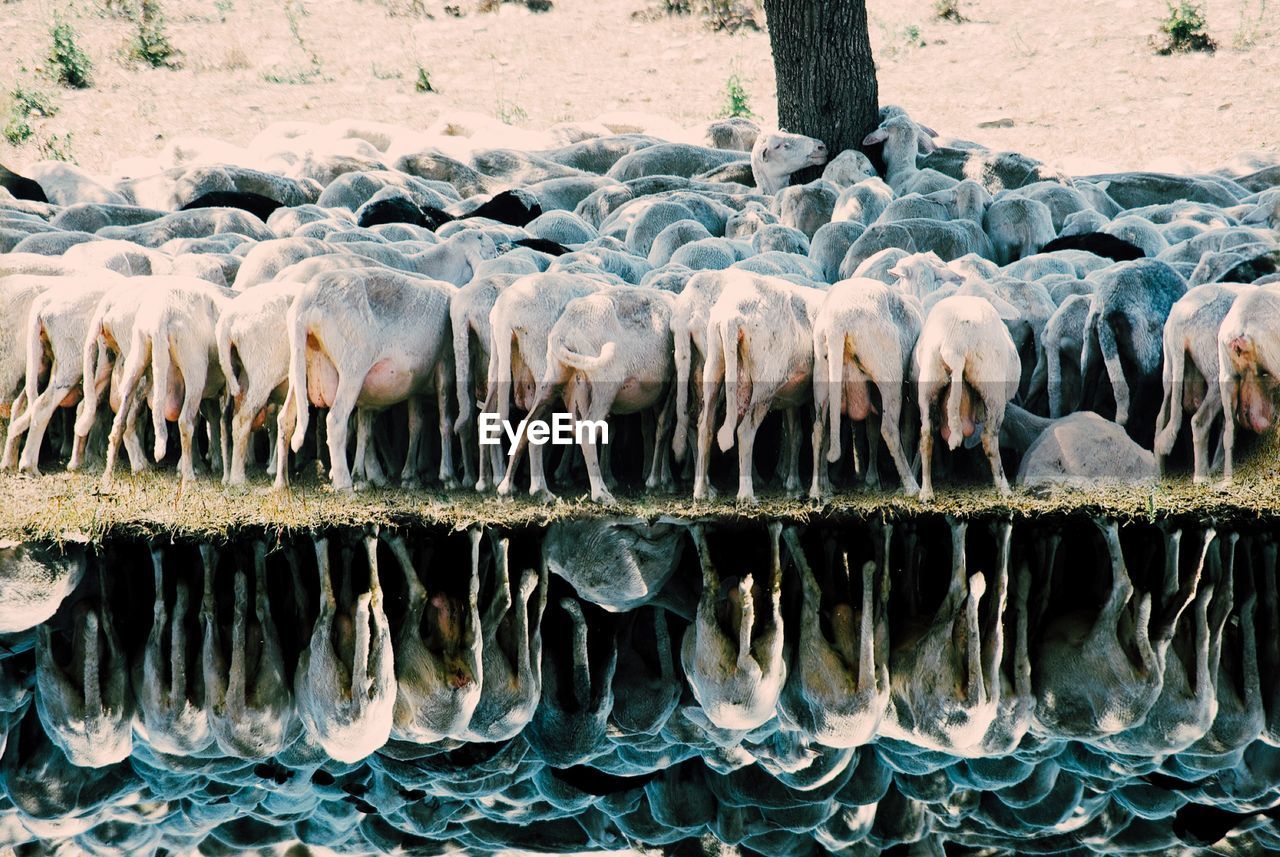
(824, 68)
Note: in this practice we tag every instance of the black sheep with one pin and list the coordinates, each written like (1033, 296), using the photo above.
(512, 207)
(255, 203)
(542, 245)
(1097, 243)
(20, 186)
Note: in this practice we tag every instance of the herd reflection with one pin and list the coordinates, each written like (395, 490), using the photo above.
(841, 687)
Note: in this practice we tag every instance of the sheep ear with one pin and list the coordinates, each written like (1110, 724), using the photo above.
(877, 136)
(927, 130)
(1004, 309)
(926, 143)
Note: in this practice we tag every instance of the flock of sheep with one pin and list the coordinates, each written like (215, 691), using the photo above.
(975, 296)
(682, 291)
(838, 689)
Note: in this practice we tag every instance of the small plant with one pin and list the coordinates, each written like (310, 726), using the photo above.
(1250, 28)
(235, 58)
(55, 148)
(948, 10)
(122, 9)
(71, 65)
(736, 102)
(406, 8)
(911, 36)
(223, 7)
(24, 106)
(31, 102)
(422, 83)
(294, 12)
(150, 44)
(509, 112)
(385, 73)
(729, 16)
(1183, 29)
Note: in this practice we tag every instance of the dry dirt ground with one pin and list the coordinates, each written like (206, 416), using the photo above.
(1073, 82)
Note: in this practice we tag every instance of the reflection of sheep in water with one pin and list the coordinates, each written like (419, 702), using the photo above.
(608, 734)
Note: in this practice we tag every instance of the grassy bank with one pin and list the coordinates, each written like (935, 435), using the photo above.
(155, 503)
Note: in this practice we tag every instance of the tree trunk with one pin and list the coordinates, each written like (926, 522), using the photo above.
(826, 75)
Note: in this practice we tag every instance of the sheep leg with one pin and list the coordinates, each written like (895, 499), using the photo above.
(38, 415)
(712, 375)
(660, 464)
(706, 620)
(135, 366)
(581, 661)
(791, 486)
(409, 473)
(417, 593)
(213, 414)
(874, 428)
(959, 569)
(994, 404)
(598, 409)
(1105, 624)
(747, 428)
(134, 450)
(86, 412)
(20, 419)
(195, 377)
(1228, 390)
(344, 401)
(1201, 423)
(993, 644)
(1021, 650)
(447, 474)
(820, 485)
(366, 466)
(976, 686)
(772, 641)
(891, 434)
(253, 398)
(1110, 351)
(501, 600)
(1169, 418)
(1053, 369)
(928, 389)
(159, 619)
(213, 664)
(285, 422)
(491, 466)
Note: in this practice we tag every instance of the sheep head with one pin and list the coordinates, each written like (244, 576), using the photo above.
(778, 154)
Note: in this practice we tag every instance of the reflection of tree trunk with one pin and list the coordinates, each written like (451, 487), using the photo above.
(825, 73)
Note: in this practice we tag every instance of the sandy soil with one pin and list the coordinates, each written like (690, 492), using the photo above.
(1074, 83)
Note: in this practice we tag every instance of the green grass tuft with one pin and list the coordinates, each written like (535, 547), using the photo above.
(71, 66)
